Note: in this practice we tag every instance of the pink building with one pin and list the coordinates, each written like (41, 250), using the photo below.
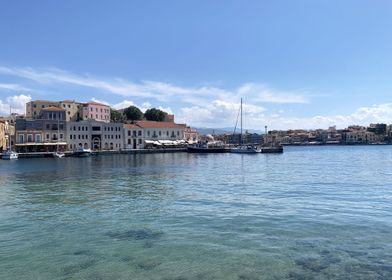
(96, 111)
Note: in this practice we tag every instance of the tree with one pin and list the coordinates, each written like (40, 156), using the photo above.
(116, 116)
(154, 114)
(133, 113)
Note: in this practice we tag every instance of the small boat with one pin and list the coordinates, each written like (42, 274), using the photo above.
(58, 155)
(9, 154)
(207, 147)
(82, 152)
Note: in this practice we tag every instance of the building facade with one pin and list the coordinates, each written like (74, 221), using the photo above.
(95, 135)
(3, 142)
(96, 111)
(133, 136)
(144, 134)
(46, 133)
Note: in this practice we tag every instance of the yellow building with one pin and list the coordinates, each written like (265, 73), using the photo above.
(73, 110)
(3, 142)
(33, 108)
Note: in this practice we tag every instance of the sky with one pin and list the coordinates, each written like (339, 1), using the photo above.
(296, 64)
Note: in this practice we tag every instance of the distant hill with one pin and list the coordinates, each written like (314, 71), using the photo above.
(224, 130)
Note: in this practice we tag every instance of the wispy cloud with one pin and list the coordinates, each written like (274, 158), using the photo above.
(160, 91)
(13, 87)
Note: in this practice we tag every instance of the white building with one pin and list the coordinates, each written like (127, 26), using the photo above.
(141, 134)
(95, 135)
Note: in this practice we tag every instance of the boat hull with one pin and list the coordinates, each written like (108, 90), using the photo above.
(10, 156)
(82, 154)
(245, 151)
(272, 150)
(206, 150)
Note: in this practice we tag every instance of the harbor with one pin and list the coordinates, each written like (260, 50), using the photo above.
(199, 216)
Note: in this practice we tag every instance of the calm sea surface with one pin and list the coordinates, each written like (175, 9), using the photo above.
(310, 213)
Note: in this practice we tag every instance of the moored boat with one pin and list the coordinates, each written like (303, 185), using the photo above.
(82, 152)
(9, 154)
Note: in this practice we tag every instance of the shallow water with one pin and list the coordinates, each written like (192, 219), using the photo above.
(310, 213)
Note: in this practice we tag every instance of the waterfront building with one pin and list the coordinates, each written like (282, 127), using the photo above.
(362, 137)
(96, 111)
(144, 134)
(95, 135)
(45, 133)
(133, 136)
(3, 142)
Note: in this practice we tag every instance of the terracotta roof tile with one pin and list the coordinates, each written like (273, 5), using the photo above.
(153, 124)
(96, 103)
(130, 126)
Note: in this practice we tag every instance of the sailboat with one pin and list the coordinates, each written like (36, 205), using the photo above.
(58, 154)
(245, 149)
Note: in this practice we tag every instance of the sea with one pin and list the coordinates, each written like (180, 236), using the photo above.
(309, 213)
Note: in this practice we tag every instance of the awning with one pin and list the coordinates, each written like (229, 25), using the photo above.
(41, 144)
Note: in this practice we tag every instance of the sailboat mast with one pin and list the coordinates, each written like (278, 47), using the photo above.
(241, 124)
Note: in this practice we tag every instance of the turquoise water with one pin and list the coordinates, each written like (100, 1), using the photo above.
(310, 213)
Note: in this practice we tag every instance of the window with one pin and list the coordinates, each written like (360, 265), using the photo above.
(38, 138)
(134, 133)
(61, 136)
(79, 128)
(178, 133)
(96, 128)
(148, 133)
(139, 133)
(140, 141)
(79, 136)
(21, 138)
(47, 126)
(61, 126)
(129, 133)
(70, 136)
(160, 133)
(35, 105)
(129, 141)
(86, 136)
(96, 116)
(47, 136)
(167, 133)
(82, 128)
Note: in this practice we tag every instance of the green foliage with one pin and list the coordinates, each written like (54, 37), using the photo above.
(133, 113)
(116, 116)
(154, 114)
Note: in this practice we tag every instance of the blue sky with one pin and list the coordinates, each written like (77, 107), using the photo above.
(297, 64)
